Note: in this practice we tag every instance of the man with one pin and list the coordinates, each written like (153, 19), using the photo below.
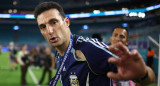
(12, 55)
(84, 61)
(48, 63)
(23, 59)
(150, 56)
(121, 35)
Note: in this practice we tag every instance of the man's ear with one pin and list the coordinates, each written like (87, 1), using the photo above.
(127, 42)
(67, 21)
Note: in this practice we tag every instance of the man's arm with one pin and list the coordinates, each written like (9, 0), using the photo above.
(149, 79)
(130, 65)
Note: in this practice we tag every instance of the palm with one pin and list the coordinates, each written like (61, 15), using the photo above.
(130, 66)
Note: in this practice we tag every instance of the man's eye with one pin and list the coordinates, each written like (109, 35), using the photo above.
(53, 22)
(121, 36)
(42, 26)
(115, 35)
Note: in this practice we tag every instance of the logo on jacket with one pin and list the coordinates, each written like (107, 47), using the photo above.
(73, 80)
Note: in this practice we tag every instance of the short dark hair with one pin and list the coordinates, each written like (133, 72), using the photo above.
(98, 36)
(47, 6)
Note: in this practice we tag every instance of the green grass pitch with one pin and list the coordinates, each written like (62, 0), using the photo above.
(12, 78)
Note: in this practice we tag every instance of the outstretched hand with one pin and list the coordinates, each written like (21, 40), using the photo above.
(130, 65)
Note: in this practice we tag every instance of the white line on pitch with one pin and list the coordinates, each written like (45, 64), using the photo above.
(33, 76)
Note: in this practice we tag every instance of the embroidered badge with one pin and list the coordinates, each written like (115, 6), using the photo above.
(73, 80)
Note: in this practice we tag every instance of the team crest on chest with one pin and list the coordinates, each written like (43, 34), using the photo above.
(73, 80)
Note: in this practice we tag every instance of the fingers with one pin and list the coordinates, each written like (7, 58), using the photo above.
(118, 48)
(113, 75)
(122, 47)
(134, 54)
(114, 50)
(113, 60)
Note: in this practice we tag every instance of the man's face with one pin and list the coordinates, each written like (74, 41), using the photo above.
(119, 35)
(53, 27)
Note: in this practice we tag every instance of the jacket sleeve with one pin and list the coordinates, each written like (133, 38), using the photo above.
(97, 56)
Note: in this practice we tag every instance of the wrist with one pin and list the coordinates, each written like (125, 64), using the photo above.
(141, 79)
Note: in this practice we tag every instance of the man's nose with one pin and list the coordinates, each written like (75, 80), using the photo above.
(49, 29)
(117, 38)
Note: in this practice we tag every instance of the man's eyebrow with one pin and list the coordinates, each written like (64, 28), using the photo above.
(53, 19)
(115, 33)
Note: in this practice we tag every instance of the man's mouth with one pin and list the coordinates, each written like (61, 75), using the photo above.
(53, 39)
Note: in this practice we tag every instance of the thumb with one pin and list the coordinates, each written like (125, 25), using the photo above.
(113, 75)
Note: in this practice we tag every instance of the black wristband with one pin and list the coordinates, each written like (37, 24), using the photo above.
(143, 78)
(146, 75)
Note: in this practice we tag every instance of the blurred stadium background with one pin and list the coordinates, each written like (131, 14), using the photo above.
(17, 24)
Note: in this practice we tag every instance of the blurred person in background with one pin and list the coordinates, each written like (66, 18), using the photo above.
(121, 35)
(48, 62)
(12, 56)
(34, 54)
(41, 52)
(78, 56)
(150, 55)
(98, 36)
(24, 61)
